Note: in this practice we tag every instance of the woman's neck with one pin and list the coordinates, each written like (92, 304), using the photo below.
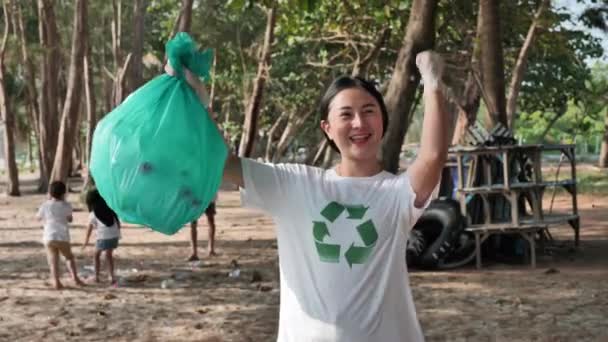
(352, 168)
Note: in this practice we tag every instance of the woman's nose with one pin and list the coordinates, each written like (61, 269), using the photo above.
(357, 120)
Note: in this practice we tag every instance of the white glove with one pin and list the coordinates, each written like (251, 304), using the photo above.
(431, 66)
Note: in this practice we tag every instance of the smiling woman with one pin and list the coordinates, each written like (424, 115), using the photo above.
(354, 119)
(342, 232)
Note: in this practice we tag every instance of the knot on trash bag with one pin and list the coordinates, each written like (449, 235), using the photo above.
(181, 52)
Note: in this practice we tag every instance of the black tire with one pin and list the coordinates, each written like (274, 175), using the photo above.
(441, 225)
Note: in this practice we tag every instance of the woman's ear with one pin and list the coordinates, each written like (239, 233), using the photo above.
(325, 127)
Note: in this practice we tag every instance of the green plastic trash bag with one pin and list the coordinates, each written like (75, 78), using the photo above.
(158, 158)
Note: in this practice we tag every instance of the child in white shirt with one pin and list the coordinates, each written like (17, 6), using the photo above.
(56, 214)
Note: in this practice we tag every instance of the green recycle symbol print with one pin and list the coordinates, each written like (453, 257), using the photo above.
(329, 252)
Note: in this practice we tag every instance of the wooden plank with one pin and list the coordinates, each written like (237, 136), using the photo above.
(537, 205)
(487, 168)
(556, 147)
(513, 196)
(506, 170)
(550, 219)
(492, 149)
(499, 188)
(460, 172)
(537, 174)
(477, 251)
(487, 215)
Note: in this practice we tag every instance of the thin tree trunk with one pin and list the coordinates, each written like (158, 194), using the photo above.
(521, 64)
(107, 83)
(362, 68)
(320, 151)
(89, 91)
(603, 157)
(328, 158)
(551, 123)
(492, 64)
(185, 20)
(7, 115)
(290, 131)
(48, 103)
(121, 67)
(120, 80)
(419, 36)
(116, 32)
(469, 106)
(270, 136)
(69, 118)
(212, 90)
(139, 11)
(255, 102)
(30, 81)
(30, 150)
(90, 109)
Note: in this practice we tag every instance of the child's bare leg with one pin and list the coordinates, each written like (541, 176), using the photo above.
(71, 263)
(97, 264)
(110, 260)
(211, 243)
(193, 241)
(53, 260)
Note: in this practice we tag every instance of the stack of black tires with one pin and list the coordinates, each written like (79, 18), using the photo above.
(438, 241)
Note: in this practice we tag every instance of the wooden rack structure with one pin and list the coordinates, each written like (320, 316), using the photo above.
(513, 172)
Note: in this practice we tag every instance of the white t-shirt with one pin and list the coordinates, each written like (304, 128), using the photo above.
(103, 232)
(55, 214)
(342, 243)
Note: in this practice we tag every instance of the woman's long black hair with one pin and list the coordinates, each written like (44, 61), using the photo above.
(102, 211)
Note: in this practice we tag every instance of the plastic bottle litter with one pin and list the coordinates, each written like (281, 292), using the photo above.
(196, 264)
(121, 282)
(86, 271)
(167, 284)
(234, 273)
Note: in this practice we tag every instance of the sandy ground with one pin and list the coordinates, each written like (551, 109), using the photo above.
(564, 299)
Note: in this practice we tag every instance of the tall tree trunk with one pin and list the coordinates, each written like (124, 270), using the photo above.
(551, 123)
(328, 158)
(521, 64)
(7, 115)
(603, 158)
(89, 91)
(30, 81)
(270, 136)
(319, 151)
(48, 108)
(255, 102)
(121, 67)
(290, 131)
(107, 84)
(419, 36)
(492, 64)
(69, 117)
(139, 10)
(185, 18)
(90, 104)
(471, 96)
(361, 67)
(212, 91)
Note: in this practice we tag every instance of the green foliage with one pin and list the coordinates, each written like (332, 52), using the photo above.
(583, 119)
(317, 40)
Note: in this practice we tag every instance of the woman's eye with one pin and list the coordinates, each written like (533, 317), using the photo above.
(345, 114)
